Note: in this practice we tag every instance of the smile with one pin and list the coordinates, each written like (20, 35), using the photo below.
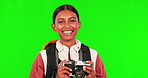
(67, 32)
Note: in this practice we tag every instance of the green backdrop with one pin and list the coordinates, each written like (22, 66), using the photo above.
(117, 29)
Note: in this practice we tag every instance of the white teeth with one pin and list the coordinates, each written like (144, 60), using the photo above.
(67, 32)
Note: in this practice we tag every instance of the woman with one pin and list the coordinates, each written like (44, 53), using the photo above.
(66, 24)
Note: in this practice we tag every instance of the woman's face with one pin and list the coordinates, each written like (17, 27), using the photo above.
(66, 24)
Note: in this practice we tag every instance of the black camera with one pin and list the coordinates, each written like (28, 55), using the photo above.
(77, 68)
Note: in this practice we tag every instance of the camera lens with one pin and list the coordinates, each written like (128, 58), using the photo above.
(79, 73)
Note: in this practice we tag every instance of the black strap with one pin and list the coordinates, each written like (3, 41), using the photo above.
(52, 64)
(51, 61)
(85, 53)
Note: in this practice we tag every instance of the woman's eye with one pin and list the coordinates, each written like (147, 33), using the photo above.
(72, 21)
(60, 21)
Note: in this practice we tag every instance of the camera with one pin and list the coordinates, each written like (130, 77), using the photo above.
(77, 68)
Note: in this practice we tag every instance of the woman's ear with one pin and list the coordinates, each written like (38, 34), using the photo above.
(54, 27)
(79, 24)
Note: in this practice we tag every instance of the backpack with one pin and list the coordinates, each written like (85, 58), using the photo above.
(53, 60)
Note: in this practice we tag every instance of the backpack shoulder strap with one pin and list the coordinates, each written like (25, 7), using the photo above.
(52, 64)
(85, 53)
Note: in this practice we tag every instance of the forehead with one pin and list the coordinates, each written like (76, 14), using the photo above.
(65, 14)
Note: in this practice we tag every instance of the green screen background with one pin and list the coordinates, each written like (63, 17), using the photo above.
(117, 29)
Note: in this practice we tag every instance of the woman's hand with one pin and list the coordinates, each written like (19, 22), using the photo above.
(62, 71)
(90, 70)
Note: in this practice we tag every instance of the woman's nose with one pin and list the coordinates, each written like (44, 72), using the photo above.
(67, 24)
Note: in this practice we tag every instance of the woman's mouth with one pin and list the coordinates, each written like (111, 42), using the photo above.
(67, 32)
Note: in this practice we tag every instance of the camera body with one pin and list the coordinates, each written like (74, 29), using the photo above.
(77, 68)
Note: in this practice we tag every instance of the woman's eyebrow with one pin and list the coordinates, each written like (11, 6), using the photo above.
(60, 19)
(72, 17)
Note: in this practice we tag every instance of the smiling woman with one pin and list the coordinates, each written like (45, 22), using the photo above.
(66, 23)
(50, 62)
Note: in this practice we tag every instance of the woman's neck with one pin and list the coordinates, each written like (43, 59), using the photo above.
(68, 43)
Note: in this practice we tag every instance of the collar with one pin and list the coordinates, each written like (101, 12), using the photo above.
(75, 47)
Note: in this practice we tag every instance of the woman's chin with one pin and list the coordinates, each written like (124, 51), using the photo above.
(68, 39)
